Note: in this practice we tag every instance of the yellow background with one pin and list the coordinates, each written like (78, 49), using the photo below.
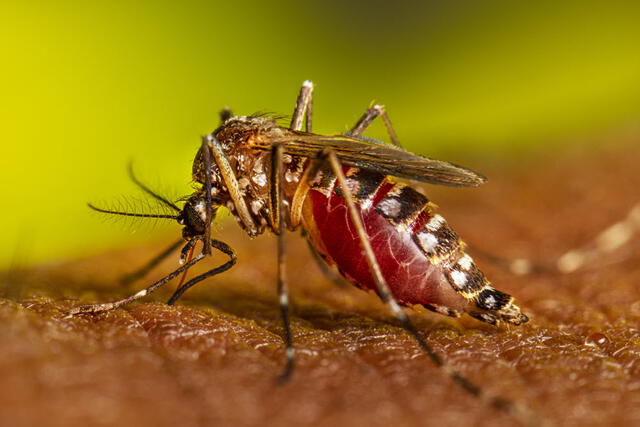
(86, 86)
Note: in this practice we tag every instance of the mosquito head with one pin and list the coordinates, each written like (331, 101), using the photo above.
(193, 217)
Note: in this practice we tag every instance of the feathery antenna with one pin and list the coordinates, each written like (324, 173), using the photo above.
(148, 190)
(95, 208)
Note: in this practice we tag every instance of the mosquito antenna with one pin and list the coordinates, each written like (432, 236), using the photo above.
(148, 190)
(131, 214)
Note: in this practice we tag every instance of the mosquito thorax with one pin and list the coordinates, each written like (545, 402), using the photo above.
(251, 167)
(236, 131)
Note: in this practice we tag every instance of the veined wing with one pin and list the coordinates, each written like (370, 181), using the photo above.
(383, 158)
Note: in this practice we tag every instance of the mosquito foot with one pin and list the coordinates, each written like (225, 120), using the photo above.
(96, 308)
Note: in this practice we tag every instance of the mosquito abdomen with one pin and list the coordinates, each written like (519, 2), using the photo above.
(420, 256)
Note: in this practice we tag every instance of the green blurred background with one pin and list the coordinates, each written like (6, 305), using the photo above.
(86, 86)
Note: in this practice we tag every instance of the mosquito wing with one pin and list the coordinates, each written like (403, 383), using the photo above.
(383, 158)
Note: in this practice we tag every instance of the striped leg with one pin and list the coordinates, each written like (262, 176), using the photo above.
(304, 107)
(98, 308)
(212, 147)
(278, 209)
(441, 309)
(222, 247)
(524, 414)
(368, 117)
(141, 272)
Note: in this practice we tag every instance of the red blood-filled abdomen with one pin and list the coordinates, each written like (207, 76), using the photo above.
(408, 272)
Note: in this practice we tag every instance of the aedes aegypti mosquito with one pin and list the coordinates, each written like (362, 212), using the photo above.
(380, 234)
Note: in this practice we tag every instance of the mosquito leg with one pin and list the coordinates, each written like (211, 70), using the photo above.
(309, 115)
(303, 107)
(608, 241)
(97, 308)
(387, 297)
(604, 244)
(207, 188)
(222, 247)
(441, 309)
(184, 252)
(133, 276)
(210, 145)
(277, 202)
(368, 117)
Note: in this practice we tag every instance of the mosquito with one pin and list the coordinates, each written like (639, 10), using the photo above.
(348, 195)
